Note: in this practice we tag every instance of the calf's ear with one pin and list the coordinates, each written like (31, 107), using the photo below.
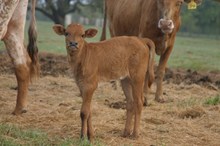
(59, 29)
(89, 33)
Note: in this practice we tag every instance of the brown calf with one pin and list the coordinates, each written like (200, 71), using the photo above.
(128, 58)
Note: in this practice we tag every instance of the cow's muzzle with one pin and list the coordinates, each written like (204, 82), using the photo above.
(166, 26)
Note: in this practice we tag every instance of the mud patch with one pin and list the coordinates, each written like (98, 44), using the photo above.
(208, 79)
(55, 65)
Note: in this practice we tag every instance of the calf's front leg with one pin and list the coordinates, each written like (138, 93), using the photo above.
(85, 113)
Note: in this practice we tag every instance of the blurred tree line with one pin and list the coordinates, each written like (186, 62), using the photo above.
(204, 20)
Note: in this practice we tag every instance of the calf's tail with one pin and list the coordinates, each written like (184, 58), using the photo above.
(150, 71)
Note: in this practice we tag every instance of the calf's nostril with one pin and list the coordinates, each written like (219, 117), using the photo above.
(73, 43)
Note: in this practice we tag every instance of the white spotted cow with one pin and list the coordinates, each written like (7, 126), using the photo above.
(25, 61)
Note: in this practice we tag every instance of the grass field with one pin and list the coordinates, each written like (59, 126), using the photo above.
(188, 53)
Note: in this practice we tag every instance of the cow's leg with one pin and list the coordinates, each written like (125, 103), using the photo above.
(126, 87)
(85, 113)
(21, 63)
(137, 91)
(160, 73)
(14, 41)
(23, 75)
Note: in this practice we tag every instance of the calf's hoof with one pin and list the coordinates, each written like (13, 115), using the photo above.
(85, 138)
(135, 136)
(145, 103)
(19, 111)
(160, 100)
(127, 134)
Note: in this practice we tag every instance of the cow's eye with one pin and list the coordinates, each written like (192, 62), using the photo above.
(83, 35)
(179, 3)
(67, 34)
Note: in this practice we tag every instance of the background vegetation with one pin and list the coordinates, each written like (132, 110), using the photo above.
(197, 46)
(203, 20)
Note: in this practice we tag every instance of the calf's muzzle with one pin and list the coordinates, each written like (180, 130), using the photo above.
(73, 45)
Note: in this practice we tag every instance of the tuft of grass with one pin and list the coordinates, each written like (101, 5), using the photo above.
(188, 103)
(80, 142)
(11, 135)
(213, 101)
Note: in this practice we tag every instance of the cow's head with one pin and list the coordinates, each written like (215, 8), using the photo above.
(74, 35)
(169, 13)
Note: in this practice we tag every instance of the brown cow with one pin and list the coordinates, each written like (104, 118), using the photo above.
(158, 20)
(124, 57)
(25, 61)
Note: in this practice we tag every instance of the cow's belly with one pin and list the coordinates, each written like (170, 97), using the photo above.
(6, 11)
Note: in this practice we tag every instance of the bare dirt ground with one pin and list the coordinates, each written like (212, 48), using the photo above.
(54, 106)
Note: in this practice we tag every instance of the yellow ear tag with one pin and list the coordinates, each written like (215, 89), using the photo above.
(192, 5)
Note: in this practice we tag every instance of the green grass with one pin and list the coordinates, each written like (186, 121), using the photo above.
(189, 52)
(196, 54)
(11, 135)
(213, 101)
(189, 102)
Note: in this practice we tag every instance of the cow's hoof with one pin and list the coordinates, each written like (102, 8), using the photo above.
(19, 112)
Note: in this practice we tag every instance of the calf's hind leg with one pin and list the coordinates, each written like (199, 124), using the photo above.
(137, 91)
(127, 89)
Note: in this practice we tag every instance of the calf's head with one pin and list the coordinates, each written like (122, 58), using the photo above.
(169, 13)
(74, 35)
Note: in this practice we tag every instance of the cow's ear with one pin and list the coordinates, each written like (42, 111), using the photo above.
(187, 1)
(198, 2)
(59, 29)
(89, 33)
